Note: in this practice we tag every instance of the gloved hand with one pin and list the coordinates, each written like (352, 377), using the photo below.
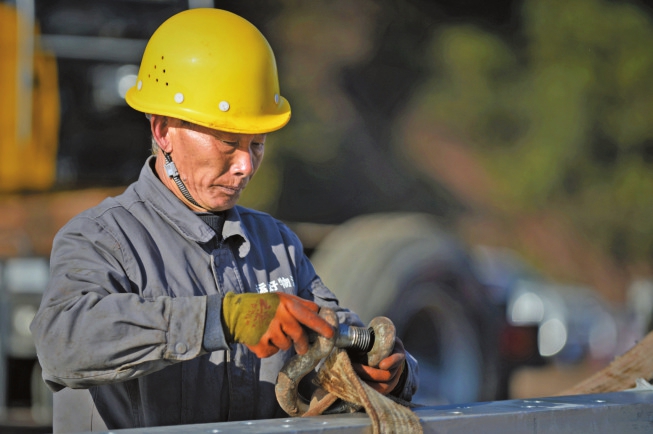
(273, 321)
(385, 378)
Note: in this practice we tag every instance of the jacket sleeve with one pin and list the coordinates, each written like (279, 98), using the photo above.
(94, 327)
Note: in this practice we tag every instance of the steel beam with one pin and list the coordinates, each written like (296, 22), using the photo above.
(619, 412)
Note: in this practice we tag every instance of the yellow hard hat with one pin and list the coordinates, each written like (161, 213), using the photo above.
(212, 68)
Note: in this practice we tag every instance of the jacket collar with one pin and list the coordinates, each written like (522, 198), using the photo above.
(184, 220)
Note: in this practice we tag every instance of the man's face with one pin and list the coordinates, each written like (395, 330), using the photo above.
(214, 165)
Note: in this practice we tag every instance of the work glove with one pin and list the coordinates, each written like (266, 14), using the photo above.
(386, 377)
(273, 321)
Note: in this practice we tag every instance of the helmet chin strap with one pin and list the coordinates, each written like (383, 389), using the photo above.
(172, 172)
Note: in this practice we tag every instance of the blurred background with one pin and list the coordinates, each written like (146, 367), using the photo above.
(480, 172)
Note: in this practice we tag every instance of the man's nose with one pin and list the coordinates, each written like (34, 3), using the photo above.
(243, 162)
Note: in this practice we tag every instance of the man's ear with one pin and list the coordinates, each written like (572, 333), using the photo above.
(159, 126)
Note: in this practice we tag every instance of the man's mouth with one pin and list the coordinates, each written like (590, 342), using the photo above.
(233, 189)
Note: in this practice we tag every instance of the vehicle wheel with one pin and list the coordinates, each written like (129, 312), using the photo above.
(405, 267)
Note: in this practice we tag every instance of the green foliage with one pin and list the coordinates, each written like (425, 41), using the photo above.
(312, 41)
(315, 41)
(562, 117)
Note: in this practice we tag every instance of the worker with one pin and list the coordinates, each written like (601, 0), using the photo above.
(170, 304)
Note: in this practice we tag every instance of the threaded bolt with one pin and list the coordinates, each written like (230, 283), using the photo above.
(356, 338)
